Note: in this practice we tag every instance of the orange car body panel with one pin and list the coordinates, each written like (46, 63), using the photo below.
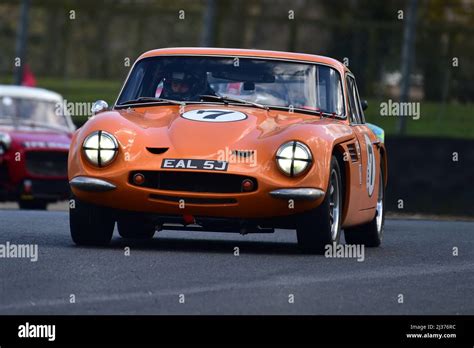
(162, 126)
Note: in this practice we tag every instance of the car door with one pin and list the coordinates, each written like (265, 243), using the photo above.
(369, 164)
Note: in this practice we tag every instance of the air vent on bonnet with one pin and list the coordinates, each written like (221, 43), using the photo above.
(243, 153)
(157, 150)
(353, 152)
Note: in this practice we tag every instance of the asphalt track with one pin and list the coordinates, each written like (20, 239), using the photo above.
(416, 260)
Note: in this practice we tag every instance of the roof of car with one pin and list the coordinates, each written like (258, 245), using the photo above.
(29, 93)
(239, 52)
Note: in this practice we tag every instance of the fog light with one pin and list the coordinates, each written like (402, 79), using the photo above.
(247, 185)
(27, 186)
(138, 179)
(188, 220)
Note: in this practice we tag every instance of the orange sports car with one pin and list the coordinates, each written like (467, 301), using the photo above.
(236, 140)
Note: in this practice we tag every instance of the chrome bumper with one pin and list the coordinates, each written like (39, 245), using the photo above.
(298, 194)
(85, 183)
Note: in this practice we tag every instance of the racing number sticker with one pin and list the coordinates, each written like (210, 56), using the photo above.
(214, 115)
(370, 180)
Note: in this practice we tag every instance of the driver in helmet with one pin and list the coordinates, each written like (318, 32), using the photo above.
(186, 86)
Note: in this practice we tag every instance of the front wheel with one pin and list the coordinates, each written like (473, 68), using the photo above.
(135, 227)
(371, 233)
(322, 225)
(90, 224)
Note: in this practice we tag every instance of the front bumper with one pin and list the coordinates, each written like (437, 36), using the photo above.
(87, 184)
(298, 194)
(262, 203)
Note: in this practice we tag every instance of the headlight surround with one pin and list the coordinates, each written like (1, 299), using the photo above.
(5, 140)
(100, 148)
(294, 158)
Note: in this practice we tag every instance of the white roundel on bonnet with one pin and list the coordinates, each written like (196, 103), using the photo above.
(214, 115)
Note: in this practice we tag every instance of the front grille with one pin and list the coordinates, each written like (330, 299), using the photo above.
(194, 200)
(47, 163)
(193, 181)
(4, 177)
(53, 188)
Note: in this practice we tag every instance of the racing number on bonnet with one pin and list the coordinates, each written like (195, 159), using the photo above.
(214, 115)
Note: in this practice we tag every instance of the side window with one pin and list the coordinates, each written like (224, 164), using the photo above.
(361, 112)
(329, 91)
(355, 112)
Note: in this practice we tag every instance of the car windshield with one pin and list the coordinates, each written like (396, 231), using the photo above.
(267, 82)
(32, 112)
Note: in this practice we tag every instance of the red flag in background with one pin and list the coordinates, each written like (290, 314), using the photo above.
(28, 77)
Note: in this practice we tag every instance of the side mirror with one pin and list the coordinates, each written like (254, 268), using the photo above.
(364, 104)
(99, 106)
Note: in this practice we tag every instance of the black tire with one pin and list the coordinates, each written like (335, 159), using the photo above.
(33, 204)
(135, 227)
(90, 224)
(371, 233)
(319, 227)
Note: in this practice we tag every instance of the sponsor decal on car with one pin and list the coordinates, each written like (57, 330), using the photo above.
(196, 164)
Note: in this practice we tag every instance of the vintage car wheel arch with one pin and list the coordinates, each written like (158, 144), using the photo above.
(339, 149)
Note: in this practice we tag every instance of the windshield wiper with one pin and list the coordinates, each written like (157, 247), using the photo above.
(316, 112)
(227, 100)
(143, 100)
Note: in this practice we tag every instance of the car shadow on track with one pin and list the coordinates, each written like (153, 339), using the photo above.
(208, 246)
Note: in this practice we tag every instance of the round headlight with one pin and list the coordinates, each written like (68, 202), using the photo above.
(293, 158)
(100, 148)
(5, 140)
